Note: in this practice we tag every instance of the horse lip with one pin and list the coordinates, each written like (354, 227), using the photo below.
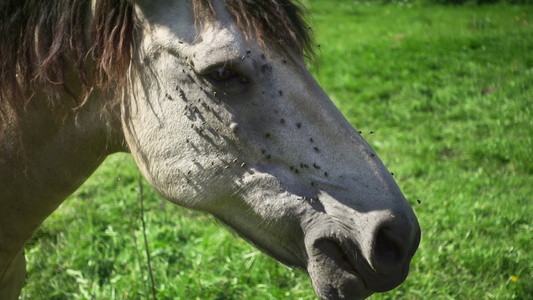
(344, 280)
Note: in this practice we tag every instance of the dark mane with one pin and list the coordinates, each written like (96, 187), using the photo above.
(42, 42)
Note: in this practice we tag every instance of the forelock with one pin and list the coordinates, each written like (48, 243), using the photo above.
(280, 24)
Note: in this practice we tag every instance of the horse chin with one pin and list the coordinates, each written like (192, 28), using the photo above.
(333, 276)
(345, 286)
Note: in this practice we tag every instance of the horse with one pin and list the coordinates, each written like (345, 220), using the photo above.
(215, 103)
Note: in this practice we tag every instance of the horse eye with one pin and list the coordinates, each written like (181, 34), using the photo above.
(223, 74)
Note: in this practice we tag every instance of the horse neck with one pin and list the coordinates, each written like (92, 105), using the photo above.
(65, 118)
(45, 156)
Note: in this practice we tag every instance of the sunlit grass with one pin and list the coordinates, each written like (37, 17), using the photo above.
(448, 93)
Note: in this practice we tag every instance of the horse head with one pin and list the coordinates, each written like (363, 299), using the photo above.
(224, 118)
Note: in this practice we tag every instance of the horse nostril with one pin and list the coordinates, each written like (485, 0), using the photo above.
(388, 252)
(331, 250)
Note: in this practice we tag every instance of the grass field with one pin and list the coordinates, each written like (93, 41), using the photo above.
(448, 93)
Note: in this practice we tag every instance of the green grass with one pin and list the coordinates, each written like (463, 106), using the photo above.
(448, 92)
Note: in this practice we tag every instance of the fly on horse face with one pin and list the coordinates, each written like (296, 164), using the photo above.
(215, 103)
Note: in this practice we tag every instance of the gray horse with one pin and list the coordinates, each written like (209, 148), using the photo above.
(216, 105)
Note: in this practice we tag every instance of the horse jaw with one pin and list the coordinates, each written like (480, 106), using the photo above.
(270, 156)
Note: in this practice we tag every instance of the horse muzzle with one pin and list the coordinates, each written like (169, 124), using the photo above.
(350, 262)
